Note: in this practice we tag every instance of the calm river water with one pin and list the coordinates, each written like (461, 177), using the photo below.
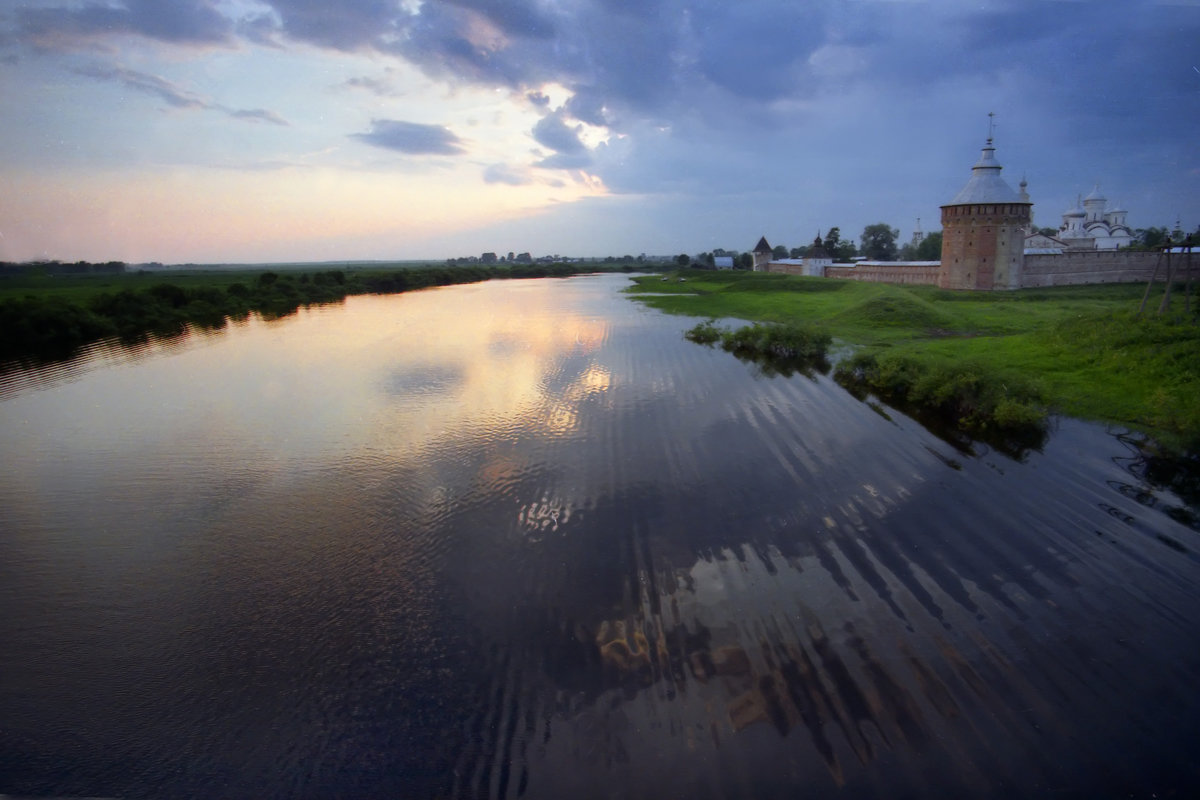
(522, 539)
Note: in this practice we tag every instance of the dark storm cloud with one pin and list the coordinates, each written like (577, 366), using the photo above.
(173, 95)
(444, 41)
(345, 25)
(741, 48)
(692, 85)
(587, 105)
(187, 22)
(514, 17)
(412, 138)
(555, 134)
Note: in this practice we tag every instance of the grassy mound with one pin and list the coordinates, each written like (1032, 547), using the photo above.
(899, 310)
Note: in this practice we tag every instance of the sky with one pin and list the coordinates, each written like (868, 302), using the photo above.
(250, 131)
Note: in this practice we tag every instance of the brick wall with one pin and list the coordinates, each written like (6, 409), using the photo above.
(890, 273)
(785, 269)
(1068, 269)
(1104, 266)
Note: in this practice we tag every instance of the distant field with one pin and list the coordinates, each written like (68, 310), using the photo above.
(1083, 346)
(82, 287)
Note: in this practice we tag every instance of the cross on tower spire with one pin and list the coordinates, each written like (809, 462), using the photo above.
(991, 126)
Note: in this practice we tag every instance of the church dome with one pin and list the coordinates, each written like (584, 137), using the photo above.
(985, 184)
(1095, 195)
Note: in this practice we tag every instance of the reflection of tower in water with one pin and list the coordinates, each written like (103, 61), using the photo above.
(783, 670)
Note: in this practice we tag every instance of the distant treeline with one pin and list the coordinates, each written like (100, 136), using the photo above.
(59, 268)
(44, 326)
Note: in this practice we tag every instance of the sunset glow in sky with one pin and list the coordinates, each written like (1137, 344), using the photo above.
(305, 130)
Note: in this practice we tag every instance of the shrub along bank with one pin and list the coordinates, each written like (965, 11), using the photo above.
(45, 318)
(988, 360)
(783, 348)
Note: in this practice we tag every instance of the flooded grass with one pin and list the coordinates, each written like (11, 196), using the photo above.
(777, 348)
(1006, 412)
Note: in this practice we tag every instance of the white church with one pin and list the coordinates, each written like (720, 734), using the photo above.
(1088, 225)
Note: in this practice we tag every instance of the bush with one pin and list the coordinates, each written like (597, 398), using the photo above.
(44, 329)
(963, 395)
(705, 333)
(778, 348)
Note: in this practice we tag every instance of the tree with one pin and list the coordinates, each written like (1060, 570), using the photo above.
(833, 238)
(929, 248)
(879, 242)
(745, 261)
(683, 259)
(1051, 232)
(797, 252)
(846, 251)
(779, 251)
(1150, 238)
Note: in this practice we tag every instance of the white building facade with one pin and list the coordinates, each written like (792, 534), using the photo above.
(1091, 225)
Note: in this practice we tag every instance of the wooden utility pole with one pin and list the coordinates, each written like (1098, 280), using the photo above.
(1183, 261)
(1166, 301)
(1153, 277)
(1187, 273)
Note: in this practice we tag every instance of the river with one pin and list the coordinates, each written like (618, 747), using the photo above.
(521, 539)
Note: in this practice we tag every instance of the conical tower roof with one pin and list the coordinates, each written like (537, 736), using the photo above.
(762, 246)
(985, 184)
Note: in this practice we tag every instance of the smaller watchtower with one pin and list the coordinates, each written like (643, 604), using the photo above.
(762, 255)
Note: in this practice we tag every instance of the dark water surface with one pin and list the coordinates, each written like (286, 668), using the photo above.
(522, 539)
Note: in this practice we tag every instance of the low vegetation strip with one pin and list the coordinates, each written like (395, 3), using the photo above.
(777, 348)
(46, 318)
(1083, 349)
(1005, 411)
(779, 340)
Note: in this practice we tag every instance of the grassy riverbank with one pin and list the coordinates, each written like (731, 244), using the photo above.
(1083, 350)
(50, 317)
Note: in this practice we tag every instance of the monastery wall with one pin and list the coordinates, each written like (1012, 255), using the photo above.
(1067, 269)
(887, 272)
(785, 269)
(1095, 266)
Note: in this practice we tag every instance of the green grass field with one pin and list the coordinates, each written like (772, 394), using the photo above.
(1084, 348)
